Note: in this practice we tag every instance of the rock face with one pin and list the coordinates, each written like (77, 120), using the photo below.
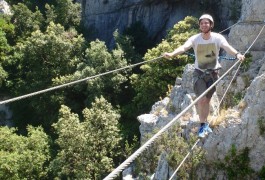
(105, 16)
(252, 20)
(242, 124)
(4, 7)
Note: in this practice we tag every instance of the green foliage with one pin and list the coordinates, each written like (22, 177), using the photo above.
(87, 148)
(157, 75)
(232, 99)
(131, 147)
(4, 51)
(235, 9)
(42, 58)
(23, 157)
(261, 125)
(176, 148)
(138, 35)
(237, 98)
(31, 4)
(37, 61)
(64, 12)
(98, 60)
(26, 21)
(7, 27)
(246, 63)
(262, 173)
(236, 164)
(126, 44)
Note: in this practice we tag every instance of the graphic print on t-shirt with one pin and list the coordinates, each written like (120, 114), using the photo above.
(206, 56)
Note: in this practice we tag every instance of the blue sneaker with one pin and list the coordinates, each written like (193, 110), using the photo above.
(208, 129)
(204, 130)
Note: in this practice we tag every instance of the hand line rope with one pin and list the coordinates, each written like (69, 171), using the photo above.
(238, 69)
(224, 94)
(219, 104)
(74, 82)
(229, 27)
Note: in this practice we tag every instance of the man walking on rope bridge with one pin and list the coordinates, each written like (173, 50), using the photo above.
(206, 47)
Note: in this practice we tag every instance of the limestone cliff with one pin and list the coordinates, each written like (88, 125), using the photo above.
(103, 17)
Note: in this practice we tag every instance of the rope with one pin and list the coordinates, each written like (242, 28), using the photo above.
(78, 81)
(239, 66)
(185, 158)
(228, 86)
(122, 166)
(229, 27)
(74, 82)
(223, 96)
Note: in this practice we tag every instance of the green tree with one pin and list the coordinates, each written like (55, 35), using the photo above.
(139, 37)
(23, 157)
(98, 59)
(64, 12)
(153, 83)
(7, 27)
(31, 4)
(31, 12)
(37, 61)
(4, 51)
(26, 21)
(126, 44)
(87, 147)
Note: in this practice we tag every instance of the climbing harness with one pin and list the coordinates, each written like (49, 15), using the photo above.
(208, 72)
(207, 77)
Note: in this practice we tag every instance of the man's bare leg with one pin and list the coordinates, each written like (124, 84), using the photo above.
(203, 108)
(203, 111)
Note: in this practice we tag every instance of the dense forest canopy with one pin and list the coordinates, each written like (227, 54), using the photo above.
(85, 130)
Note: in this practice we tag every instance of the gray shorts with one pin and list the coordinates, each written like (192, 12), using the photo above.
(203, 81)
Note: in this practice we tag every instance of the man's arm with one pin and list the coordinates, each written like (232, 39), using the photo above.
(229, 49)
(178, 51)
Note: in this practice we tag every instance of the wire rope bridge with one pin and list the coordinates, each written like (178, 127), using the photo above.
(122, 166)
(130, 159)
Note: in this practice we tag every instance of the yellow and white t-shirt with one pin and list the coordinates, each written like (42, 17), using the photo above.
(206, 51)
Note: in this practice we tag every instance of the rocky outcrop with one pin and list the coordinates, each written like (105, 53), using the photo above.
(4, 7)
(252, 20)
(242, 125)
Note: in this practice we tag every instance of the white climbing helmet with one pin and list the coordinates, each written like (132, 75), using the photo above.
(206, 16)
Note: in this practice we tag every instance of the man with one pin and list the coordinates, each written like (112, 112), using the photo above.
(206, 47)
